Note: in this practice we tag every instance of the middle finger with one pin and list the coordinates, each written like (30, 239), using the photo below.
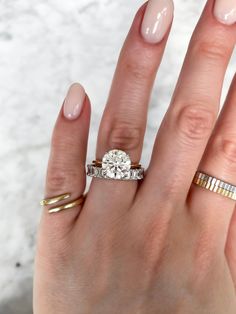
(124, 120)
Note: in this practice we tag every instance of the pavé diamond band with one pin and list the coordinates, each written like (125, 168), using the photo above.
(215, 185)
(116, 164)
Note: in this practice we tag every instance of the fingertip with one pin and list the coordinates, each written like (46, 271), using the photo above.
(225, 11)
(152, 23)
(157, 19)
(74, 101)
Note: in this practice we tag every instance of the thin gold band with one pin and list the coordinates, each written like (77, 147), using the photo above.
(55, 199)
(215, 185)
(98, 163)
(77, 202)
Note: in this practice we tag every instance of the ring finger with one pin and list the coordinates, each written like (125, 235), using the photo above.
(219, 160)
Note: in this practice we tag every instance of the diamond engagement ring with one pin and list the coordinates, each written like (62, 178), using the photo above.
(116, 164)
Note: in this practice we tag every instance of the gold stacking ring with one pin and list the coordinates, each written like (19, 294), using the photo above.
(215, 185)
(98, 163)
(59, 198)
(54, 200)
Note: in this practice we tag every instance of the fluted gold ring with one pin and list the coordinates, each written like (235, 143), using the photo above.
(215, 185)
(59, 198)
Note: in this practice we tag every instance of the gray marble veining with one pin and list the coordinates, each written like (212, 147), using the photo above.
(44, 47)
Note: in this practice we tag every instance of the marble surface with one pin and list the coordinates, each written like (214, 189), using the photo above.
(44, 47)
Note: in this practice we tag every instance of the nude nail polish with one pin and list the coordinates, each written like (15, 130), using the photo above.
(74, 100)
(225, 11)
(157, 19)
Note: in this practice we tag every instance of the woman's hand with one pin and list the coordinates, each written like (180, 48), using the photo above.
(163, 245)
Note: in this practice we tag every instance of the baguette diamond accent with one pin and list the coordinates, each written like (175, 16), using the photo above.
(215, 185)
(98, 172)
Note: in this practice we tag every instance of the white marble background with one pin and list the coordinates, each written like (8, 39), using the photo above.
(44, 47)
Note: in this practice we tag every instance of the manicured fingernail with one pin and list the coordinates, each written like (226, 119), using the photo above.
(157, 19)
(74, 100)
(225, 11)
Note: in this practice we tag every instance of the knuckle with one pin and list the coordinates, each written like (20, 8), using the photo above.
(61, 173)
(59, 178)
(195, 122)
(60, 141)
(139, 70)
(56, 179)
(124, 136)
(212, 50)
(226, 147)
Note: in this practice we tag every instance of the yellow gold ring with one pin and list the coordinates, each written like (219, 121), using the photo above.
(73, 204)
(215, 185)
(59, 198)
(55, 199)
(98, 163)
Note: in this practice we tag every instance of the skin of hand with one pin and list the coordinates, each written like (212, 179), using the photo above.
(160, 245)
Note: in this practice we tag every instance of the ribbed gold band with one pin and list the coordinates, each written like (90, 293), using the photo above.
(215, 185)
(59, 198)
